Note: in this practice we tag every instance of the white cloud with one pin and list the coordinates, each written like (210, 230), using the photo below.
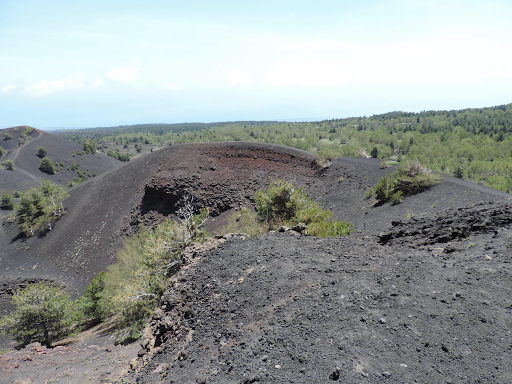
(8, 88)
(236, 78)
(124, 74)
(98, 82)
(302, 72)
(45, 87)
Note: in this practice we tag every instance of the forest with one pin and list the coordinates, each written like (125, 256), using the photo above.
(472, 144)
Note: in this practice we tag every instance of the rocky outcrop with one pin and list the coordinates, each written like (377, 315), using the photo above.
(450, 225)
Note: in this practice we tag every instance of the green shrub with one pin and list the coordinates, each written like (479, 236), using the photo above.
(323, 158)
(397, 198)
(27, 131)
(409, 178)
(245, 221)
(7, 136)
(369, 193)
(384, 164)
(89, 303)
(279, 202)
(8, 164)
(40, 207)
(2, 151)
(384, 188)
(41, 152)
(134, 284)
(459, 173)
(11, 217)
(43, 313)
(7, 202)
(89, 147)
(282, 204)
(46, 166)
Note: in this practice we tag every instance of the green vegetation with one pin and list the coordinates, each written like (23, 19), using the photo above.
(124, 157)
(43, 313)
(323, 158)
(47, 166)
(245, 221)
(2, 152)
(8, 164)
(472, 143)
(40, 207)
(41, 152)
(132, 287)
(7, 201)
(89, 147)
(27, 131)
(410, 178)
(7, 136)
(89, 303)
(282, 204)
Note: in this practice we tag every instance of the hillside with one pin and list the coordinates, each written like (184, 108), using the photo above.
(419, 292)
(68, 157)
(472, 144)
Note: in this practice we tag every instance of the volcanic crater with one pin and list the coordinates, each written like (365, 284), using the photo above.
(419, 292)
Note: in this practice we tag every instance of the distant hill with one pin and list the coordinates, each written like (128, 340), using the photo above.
(71, 162)
(472, 144)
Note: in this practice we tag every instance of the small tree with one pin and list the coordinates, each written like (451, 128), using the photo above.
(46, 166)
(459, 172)
(40, 208)
(8, 164)
(134, 284)
(7, 201)
(43, 314)
(41, 152)
(89, 147)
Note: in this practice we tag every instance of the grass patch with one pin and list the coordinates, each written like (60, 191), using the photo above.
(283, 204)
(245, 221)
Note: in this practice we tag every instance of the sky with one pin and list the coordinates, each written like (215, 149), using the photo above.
(74, 64)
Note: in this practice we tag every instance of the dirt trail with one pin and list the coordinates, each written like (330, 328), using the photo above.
(17, 151)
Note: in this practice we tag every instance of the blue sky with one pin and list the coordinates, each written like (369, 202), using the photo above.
(102, 63)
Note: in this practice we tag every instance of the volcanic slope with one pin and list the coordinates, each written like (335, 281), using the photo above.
(378, 306)
(419, 293)
(103, 210)
(67, 155)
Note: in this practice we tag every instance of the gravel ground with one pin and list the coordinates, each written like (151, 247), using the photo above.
(285, 308)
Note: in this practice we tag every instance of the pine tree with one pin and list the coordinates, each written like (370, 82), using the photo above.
(40, 208)
(43, 313)
(41, 152)
(46, 166)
